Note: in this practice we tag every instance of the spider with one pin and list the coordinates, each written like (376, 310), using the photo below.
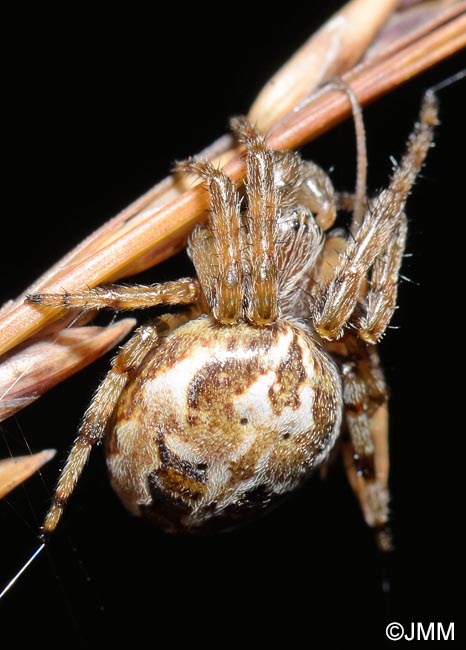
(213, 414)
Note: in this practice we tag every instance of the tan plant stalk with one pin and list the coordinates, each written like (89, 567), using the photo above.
(33, 370)
(14, 471)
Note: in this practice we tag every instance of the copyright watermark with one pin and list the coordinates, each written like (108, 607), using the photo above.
(394, 631)
(420, 631)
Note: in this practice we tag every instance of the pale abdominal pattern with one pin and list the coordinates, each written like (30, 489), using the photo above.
(236, 417)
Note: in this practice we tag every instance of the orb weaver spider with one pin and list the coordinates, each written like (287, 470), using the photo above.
(215, 413)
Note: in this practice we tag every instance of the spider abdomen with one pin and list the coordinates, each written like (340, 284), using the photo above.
(222, 421)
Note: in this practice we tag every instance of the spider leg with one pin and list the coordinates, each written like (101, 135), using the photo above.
(334, 300)
(366, 456)
(216, 250)
(113, 296)
(95, 420)
(262, 307)
(359, 197)
(314, 191)
(378, 307)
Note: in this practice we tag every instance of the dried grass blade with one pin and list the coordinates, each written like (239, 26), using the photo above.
(29, 372)
(14, 471)
(333, 49)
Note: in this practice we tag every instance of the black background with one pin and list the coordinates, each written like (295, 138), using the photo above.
(98, 108)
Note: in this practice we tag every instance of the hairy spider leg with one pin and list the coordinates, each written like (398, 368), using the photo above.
(216, 248)
(359, 198)
(262, 307)
(360, 404)
(119, 297)
(379, 304)
(334, 301)
(93, 426)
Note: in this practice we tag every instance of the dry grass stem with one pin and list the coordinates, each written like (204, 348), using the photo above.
(14, 471)
(35, 368)
(334, 48)
(370, 80)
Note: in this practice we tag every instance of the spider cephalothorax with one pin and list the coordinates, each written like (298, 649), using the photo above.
(217, 412)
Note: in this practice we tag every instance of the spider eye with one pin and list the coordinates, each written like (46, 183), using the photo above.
(300, 220)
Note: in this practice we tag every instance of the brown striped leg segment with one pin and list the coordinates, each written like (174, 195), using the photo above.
(262, 305)
(334, 300)
(366, 421)
(379, 304)
(224, 275)
(118, 297)
(95, 420)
